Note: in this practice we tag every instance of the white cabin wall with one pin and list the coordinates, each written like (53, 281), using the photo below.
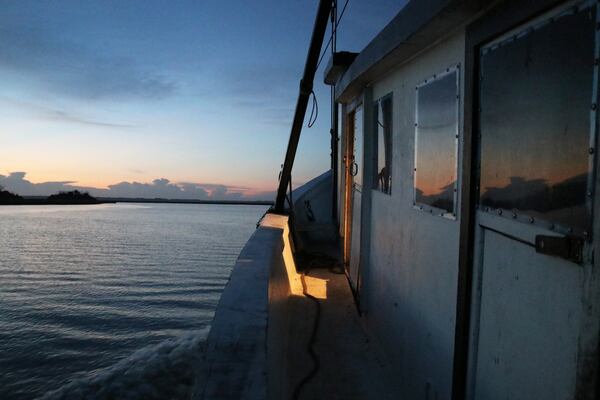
(413, 262)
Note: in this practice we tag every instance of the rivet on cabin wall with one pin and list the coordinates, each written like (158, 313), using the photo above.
(594, 106)
(591, 150)
(514, 215)
(589, 193)
(499, 212)
(531, 220)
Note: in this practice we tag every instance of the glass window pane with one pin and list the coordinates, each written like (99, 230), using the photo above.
(382, 118)
(435, 142)
(536, 93)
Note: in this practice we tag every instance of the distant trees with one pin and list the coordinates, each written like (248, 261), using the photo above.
(72, 197)
(7, 197)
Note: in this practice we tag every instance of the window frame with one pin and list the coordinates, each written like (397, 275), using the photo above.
(376, 125)
(449, 214)
(516, 33)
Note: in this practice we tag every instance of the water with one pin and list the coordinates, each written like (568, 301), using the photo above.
(84, 288)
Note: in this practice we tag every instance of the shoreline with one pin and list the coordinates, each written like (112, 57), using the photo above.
(33, 201)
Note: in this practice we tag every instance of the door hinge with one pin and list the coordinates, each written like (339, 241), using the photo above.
(567, 247)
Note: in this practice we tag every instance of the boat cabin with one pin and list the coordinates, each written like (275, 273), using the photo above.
(466, 196)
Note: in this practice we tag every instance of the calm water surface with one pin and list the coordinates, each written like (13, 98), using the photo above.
(84, 288)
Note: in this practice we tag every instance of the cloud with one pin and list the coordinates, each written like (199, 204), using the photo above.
(69, 117)
(16, 182)
(161, 188)
(69, 68)
(158, 188)
(54, 114)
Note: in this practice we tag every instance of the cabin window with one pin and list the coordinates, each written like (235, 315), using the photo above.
(436, 138)
(535, 106)
(382, 118)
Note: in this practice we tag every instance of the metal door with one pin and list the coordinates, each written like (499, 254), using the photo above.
(537, 124)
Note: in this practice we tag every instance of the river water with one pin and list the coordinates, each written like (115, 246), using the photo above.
(111, 300)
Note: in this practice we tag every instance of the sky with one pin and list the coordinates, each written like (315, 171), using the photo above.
(179, 99)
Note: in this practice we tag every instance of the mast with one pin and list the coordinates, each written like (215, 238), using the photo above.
(306, 88)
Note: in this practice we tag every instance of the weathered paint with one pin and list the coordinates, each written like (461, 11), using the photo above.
(535, 318)
(413, 263)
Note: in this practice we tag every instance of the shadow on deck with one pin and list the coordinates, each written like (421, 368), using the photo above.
(263, 332)
(348, 366)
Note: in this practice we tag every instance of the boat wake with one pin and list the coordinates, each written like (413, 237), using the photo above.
(163, 371)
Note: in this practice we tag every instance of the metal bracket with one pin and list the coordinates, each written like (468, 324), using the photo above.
(567, 247)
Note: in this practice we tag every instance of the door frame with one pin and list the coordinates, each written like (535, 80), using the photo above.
(496, 21)
(349, 119)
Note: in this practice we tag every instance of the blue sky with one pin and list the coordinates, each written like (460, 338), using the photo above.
(175, 94)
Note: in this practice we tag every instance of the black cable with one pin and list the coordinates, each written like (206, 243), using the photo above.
(331, 262)
(311, 342)
(314, 111)
(331, 37)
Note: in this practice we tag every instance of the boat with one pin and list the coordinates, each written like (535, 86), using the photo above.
(449, 251)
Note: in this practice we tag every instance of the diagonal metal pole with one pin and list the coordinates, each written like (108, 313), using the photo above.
(306, 86)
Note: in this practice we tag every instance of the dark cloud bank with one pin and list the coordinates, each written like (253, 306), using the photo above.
(159, 188)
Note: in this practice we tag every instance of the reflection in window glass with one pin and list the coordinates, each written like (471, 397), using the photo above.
(435, 142)
(536, 93)
(382, 118)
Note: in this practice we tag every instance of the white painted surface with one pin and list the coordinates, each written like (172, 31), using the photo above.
(528, 331)
(413, 263)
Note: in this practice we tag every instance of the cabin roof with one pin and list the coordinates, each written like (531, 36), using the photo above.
(417, 26)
